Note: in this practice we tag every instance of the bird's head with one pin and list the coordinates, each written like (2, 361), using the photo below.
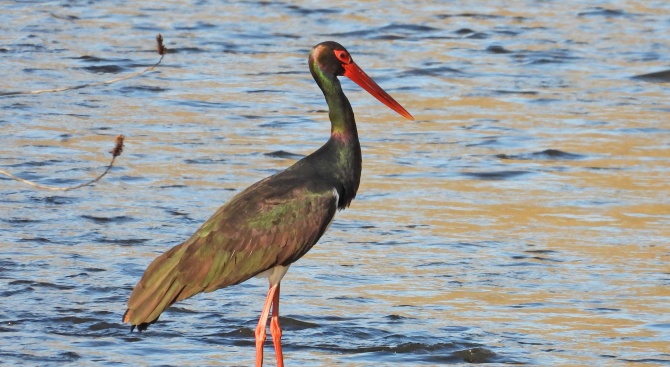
(330, 59)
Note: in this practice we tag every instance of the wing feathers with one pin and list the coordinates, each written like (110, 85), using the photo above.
(271, 223)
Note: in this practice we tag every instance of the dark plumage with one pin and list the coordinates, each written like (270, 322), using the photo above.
(272, 223)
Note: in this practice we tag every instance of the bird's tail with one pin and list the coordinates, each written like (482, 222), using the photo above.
(159, 288)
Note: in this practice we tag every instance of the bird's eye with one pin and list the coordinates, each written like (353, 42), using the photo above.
(343, 56)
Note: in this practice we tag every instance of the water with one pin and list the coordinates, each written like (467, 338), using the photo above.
(522, 219)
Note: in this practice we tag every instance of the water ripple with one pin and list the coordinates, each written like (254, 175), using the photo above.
(469, 241)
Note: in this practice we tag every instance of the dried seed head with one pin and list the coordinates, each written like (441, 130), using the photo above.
(118, 148)
(162, 50)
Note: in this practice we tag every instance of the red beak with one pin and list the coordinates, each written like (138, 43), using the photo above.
(358, 76)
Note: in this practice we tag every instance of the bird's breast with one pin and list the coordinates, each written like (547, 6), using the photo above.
(274, 274)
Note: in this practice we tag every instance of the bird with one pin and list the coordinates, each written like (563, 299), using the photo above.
(271, 224)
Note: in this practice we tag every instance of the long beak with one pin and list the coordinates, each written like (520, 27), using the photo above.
(358, 76)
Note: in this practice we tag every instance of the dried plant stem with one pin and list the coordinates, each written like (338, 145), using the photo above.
(82, 85)
(162, 50)
(118, 149)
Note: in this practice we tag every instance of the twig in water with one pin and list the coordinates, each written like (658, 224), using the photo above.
(118, 149)
(162, 50)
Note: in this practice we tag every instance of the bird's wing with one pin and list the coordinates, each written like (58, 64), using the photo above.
(269, 224)
(273, 222)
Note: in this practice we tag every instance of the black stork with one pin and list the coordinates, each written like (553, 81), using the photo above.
(262, 230)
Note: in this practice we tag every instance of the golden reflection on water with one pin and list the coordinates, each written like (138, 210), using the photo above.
(614, 219)
(571, 256)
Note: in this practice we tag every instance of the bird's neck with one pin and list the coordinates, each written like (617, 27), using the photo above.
(343, 150)
(343, 124)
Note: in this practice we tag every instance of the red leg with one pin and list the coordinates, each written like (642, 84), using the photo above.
(260, 329)
(275, 330)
